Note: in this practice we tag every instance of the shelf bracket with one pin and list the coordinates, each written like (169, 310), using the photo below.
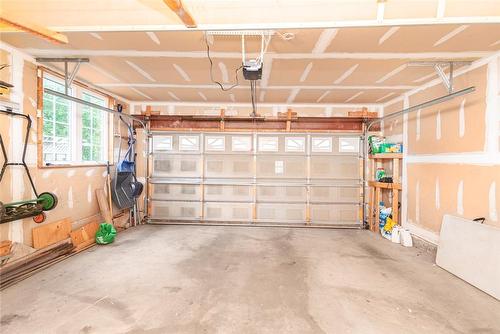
(439, 67)
(68, 77)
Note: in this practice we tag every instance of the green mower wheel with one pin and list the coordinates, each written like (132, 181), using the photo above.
(47, 200)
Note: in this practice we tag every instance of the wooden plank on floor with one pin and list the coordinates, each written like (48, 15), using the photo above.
(51, 233)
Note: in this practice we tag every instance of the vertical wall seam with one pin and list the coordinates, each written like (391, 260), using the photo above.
(492, 107)
(404, 176)
(16, 233)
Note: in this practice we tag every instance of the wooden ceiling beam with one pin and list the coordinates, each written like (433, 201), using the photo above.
(177, 7)
(21, 25)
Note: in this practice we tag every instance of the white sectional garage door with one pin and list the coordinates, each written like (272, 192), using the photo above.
(256, 178)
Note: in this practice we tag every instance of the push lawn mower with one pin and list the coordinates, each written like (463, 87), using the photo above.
(23, 209)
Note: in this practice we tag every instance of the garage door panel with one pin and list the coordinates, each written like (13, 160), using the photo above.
(257, 178)
(172, 165)
(281, 213)
(176, 191)
(176, 210)
(222, 211)
(219, 192)
(341, 167)
(334, 213)
(336, 194)
(219, 166)
(281, 194)
(281, 167)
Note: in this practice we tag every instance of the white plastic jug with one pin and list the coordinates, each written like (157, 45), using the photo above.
(406, 239)
(395, 235)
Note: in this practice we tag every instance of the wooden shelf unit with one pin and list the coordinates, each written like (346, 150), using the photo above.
(386, 156)
(377, 187)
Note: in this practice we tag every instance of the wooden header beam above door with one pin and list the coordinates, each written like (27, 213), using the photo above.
(232, 123)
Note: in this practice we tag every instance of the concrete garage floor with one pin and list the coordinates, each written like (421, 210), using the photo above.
(185, 279)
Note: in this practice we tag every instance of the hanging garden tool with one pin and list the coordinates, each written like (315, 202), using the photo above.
(125, 187)
(30, 208)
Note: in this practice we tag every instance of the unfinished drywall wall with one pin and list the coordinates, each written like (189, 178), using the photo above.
(454, 126)
(74, 186)
(452, 158)
(458, 189)
(393, 127)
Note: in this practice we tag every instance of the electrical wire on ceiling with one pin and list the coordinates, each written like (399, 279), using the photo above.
(225, 89)
(2, 66)
(249, 66)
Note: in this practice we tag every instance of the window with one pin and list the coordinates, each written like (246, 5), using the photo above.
(295, 144)
(92, 129)
(162, 143)
(189, 143)
(57, 122)
(216, 143)
(73, 133)
(321, 144)
(268, 144)
(349, 145)
(241, 143)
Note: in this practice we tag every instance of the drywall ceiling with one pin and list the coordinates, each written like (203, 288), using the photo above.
(74, 15)
(362, 64)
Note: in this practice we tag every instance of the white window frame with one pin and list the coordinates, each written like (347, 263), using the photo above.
(317, 141)
(76, 127)
(354, 144)
(105, 126)
(265, 144)
(71, 125)
(298, 144)
(195, 141)
(213, 143)
(244, 144)
(163, 143)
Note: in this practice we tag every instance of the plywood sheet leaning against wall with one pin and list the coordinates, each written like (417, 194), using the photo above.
(49, 234)
(477, 263)
(85, 235)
